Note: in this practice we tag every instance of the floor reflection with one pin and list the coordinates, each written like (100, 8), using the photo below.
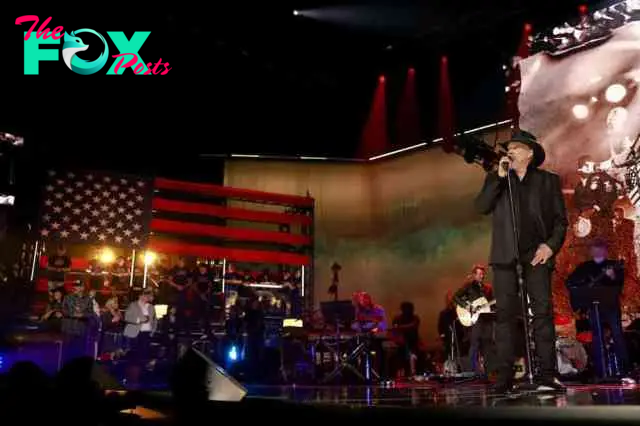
(437, 395)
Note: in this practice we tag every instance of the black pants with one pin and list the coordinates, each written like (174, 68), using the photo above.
(482, 344)
(612, 318)
(508, 310)
(140, 347)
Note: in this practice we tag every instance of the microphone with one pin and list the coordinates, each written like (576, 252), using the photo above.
(506, 164)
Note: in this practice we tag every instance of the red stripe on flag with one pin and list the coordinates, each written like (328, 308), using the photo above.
(243, 234)
(163, 204)
(231, 254)
(227, 192)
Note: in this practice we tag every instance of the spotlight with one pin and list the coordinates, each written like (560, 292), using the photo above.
(583, 9)
(507, 89)
(107, 256)
(296, 13)
(381, 79)
(149, 258)
(527, 27)
(594, 99)
(580, 111)
(412, 71)
(615, 93)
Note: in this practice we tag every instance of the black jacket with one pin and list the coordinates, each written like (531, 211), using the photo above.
(546, 204)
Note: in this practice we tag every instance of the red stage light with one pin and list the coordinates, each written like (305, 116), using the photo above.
(583, 9)
(444, 59)
(381, 79)
(412, 71)
(528, 27)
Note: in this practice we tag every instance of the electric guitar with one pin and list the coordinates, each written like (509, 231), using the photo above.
(469, 316)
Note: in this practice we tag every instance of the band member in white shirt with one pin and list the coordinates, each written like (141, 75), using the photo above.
(141, 323)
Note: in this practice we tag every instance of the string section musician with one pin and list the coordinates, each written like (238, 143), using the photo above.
(541, 224)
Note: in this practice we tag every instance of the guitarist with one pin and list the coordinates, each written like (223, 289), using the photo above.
(602, 272)
(482, 331)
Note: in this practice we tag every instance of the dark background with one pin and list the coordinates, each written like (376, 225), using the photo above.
(253, 78)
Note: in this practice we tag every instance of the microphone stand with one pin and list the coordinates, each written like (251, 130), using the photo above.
(520, 276)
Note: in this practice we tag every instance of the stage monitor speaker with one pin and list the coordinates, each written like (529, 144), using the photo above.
(198, 376)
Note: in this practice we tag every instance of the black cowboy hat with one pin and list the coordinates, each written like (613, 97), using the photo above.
(529, 140)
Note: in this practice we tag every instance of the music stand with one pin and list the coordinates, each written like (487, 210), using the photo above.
(342, 313)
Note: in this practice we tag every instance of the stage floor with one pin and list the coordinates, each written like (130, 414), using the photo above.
(430, 395)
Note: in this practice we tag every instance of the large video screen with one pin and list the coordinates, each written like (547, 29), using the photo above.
(580, 97)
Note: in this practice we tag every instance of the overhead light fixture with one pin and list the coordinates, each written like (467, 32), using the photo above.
(7, 200)
(398, 151)
(12, 139)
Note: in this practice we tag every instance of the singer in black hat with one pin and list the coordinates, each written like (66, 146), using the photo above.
(541, 221)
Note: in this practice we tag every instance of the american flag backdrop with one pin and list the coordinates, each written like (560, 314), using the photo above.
(96, 208)
(175, 217)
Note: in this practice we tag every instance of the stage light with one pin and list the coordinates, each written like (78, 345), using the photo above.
(107, 256)
(504, 67)
(594, 99)
(381, 79)
(232, 355)
(296, 13)
(1, 362)
(528, 27)
(7, 200)
(583, 9)
(507, 89)
(580, 111)
(149, 258)
(615, 93)
(412, 71)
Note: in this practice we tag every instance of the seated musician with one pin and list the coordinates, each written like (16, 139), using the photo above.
(482, 343)
(96, 275)
(601, 272)
(58, 265)
(120, 274)
(405, 333)
(53, 314)
(369, 316)
(233, 276)
(371, 319)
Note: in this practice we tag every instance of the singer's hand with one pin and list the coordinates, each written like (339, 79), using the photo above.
(543, 254)
(503, 166)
